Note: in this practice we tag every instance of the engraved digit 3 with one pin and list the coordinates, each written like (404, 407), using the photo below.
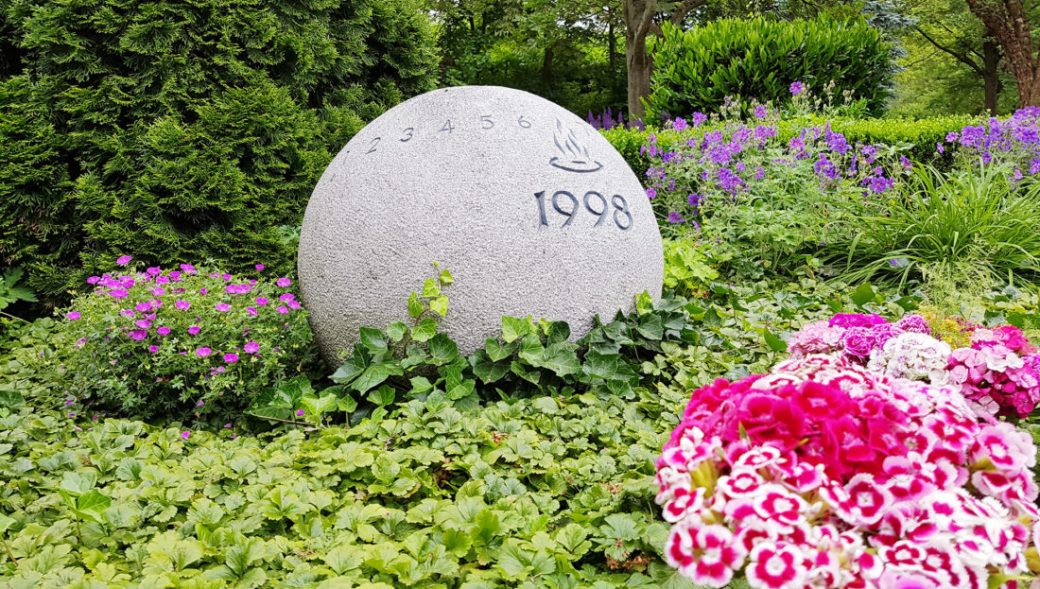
(408, 135)
(540, 197)
(568, 214)
(526, 124)
(486, 122)
(602, 212)
(621, 208)
(372, 145)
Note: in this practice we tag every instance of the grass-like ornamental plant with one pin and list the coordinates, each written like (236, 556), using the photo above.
(171, 343)
(970, 225)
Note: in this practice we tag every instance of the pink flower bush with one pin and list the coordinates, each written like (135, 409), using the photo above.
(147, 349)
(853, 335)
(823, 474)
(1000, 371)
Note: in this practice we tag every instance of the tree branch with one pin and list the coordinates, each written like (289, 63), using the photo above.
(958, 56)
(684, 8)
(646, 19)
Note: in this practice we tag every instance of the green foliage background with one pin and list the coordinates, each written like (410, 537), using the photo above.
(696, 69)
(179, 130)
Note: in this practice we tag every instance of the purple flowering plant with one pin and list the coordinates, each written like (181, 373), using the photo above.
(174, 342)
(1011, 144)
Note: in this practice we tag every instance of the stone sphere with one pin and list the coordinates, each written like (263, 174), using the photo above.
(529, 207)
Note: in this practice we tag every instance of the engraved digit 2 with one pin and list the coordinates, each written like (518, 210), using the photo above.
(486, 122)
(568, 214)
(540, 197)
(602, 212)
(621, 208)
(373, 144)
(408, 137)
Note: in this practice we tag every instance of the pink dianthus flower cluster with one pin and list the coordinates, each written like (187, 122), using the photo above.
(822, 474)
(853, 335)
(1000, 371)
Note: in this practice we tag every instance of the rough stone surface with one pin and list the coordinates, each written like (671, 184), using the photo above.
(454, 176)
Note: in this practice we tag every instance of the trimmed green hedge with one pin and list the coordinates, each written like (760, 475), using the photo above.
(920, 134)
(698, 68)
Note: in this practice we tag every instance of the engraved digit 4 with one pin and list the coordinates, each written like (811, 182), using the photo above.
(372, 145)
(540, 197)
(621, 208)
(604, 209)
(486, 122)
(408, 135)
(448, 127)
(568, 214)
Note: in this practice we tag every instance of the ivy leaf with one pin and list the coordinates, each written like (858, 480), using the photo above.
(442, 349)
(439, 305)
(396, 331)
(863, 294)
(373, 339)
(485, 369)
(425, 330)
(497, 351)
(375, 375)
(415, 307)
(514, 328)
(445, 277)
(430, 289)
(775, 343)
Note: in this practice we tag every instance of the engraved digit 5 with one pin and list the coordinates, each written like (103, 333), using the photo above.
(540, 197)
(372, 145)
(602, 212)
(568, 214)
(408, 135)
(486, 122)
(621, 208)
(526, 124)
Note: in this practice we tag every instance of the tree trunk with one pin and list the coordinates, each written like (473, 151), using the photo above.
(1008, 23)
(611, 46)
(547, 68)
(991, 73)
(639, 66)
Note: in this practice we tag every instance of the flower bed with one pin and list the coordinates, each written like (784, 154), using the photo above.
(854, 464)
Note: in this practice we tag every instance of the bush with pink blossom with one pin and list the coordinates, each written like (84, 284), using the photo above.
(177, 342)
(823, 474)
(852, 335)
(1000, 371)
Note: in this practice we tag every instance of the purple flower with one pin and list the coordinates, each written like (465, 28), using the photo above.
(651, 193)
(154, 271)
(185, 434)
(153, 348)
(163, 331)
(188, 269)
(259, 267)
(761, 112)
(123, 260)
(138, 335)
(227, 426)
(252, 311)
(158, 291)
(94, 280)
(674, 217)
(143, 323)
(699, 119)
(300, 412)
(118, 293)
(222, 307)
(143, 307)
(914, 324)
(694, 200)
(203, 352)
(251, 347)
(230, 358)
(679, 124)
(797, 88)
(194, 330)
(203, 291)
(261, 301)
(283, 310)
(73, 315)
(939, 148)
(182, 305)
(286, 297)
(848, 320)
(283, 282)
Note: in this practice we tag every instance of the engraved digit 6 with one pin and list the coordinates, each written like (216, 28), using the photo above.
(574, 206)
(603, 209)
(526, 124)
(621, 208)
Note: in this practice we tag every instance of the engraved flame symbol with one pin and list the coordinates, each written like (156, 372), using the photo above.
(574, 157)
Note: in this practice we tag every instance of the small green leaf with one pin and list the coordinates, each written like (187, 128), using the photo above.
(382, 396)
(396, 331)
(514, 328)
(373, 339)
(775, 343)
(415, 307)
(863, 294)
(439, 305)
(446, 277)
(425, 330)
(430, 289)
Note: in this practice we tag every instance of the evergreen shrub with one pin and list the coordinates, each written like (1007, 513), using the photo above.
(180, 129)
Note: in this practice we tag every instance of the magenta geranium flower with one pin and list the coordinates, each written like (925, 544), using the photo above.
(203, 352)
(222, 307)
(124, 260)
(283, 282)
(182, 305)
(73, 315)
(163, 331)
(194, 330)
(251, 347)
(230, 358)
(259, 267)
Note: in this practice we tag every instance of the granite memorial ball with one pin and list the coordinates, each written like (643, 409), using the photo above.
(530, 208)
